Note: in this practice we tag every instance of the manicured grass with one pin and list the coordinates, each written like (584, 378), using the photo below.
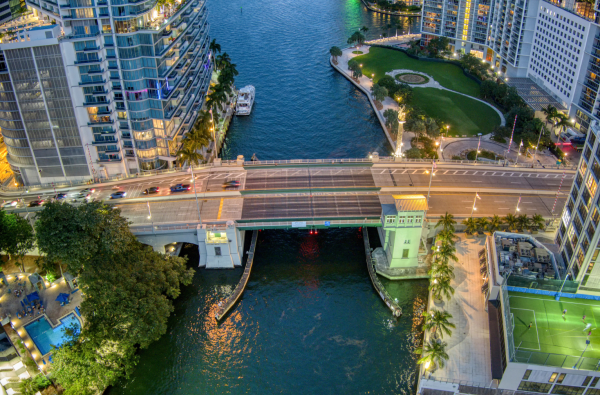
(549, 332)
(381, 60)
(464, 115)
(357, 52)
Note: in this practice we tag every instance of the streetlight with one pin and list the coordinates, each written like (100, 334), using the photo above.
(475, 201)
(518, 203)
(431, 174)
(195, 193)
(536, 147)
(150, 215)
(477, 153)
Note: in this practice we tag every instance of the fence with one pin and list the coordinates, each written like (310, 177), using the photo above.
(557, 360)
(567, 291)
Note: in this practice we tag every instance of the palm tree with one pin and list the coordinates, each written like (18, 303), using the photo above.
(222, 60)
(445, 253)
(364, 29)
(447, 222)
(356, 37)
(441, 270)
(471, 225)
(189, 156)
(440, 288)
(446, 236)
(550, 112)
(511, 221)
(437, 322)
(482, 224)
(214, 48)
(335, 52)
(537, 222)
(494, 223)
(356, 70)
(563, 122)
(434, 351)
(523, 221)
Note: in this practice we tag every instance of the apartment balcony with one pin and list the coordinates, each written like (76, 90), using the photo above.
(101, 121)
(96, 104)
(106, 141)
(89, 72)
(89, 61)
(103, 158)
(98, 93)
(88, 83)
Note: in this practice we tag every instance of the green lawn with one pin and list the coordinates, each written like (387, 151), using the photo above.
(549, 332)
(464, 115)
(381, 60)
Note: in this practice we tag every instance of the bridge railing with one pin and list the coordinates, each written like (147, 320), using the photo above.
(137, 229)
(288, 224)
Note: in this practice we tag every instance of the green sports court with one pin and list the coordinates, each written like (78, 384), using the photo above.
(550, 332)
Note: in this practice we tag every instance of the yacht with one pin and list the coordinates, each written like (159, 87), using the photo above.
(245, 100)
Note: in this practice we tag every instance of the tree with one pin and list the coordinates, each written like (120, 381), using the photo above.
(403, 93)
(379, 93)
(389, 115)
(438, 46)
(74, 235)
(413, 153)
(445, 253)
(434, 351)
(356, 70)
(335, 52)
(511, 221)
(222, 60)
(494, 223)
(441, 270)
(487, 88)
(441, 289)
(416, 126)
(446, 236)
(447, 222)
(32, 385)
(537, 222)
(364, 29)
(551, 113)
(482, 224)
(356, 37)
(563, 122)
(189, 156)
(214, 48)
(431, 128)
(437, 322)
(86, 366)
(471, 225)
(523, 221)
(17, 237)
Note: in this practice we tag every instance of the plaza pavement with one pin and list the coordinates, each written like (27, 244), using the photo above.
(469, 345)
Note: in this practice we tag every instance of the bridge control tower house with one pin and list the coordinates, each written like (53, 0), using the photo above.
(400, 234)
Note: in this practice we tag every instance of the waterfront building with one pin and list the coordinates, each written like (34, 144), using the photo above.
(136, 76)
(537, 43)
(578, 235)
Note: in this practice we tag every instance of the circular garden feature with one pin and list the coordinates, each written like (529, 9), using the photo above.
(357, 52)
(412, 79)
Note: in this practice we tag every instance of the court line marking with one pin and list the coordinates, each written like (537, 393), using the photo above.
(537, 333)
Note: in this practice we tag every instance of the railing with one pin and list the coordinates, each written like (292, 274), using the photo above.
(288, 224)
(152, 229)
(239, 289)
(557, 360)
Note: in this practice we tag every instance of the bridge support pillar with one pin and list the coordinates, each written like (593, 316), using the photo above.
(221, 246)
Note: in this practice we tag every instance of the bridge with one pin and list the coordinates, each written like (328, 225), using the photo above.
(317, 194)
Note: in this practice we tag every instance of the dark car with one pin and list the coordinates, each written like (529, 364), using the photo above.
(152, 190)
(88, 190)
(578, 140)
(231, 184)
(36, 203)
(60, 196)
(118, 195)
(180, 188)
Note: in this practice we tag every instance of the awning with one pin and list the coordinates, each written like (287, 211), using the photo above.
(33, 296)
(62, 298)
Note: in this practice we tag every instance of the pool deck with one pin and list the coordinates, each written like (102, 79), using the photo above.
(11, 304)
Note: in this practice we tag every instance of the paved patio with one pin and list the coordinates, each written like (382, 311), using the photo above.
(469, 345)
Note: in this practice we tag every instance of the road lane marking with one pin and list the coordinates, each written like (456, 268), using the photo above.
(220, 209)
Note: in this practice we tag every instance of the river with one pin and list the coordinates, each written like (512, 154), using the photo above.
(310, 321)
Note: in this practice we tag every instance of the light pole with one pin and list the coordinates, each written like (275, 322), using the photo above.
(474, 201)
(536, 147)
(519, 151)
(195, 193)
(477, 153)
(519, 202)
(431, 174)
(150, 215)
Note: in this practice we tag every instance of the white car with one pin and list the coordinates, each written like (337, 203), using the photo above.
(12, 203)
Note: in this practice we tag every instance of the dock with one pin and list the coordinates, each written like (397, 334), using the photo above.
(239, 289)
(385, 296)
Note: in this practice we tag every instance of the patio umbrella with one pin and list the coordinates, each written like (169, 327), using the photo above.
(33, 296)
(62, 298)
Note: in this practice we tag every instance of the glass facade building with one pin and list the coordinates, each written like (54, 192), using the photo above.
(139, 73)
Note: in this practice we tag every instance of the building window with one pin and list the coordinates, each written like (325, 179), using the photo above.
(553, 377)
(409, 219)
(418, 220)
(390, 219)
(405, 253)
(218, 251)
(586, 381)
(527, 374)
(567, 390)
(407, 241)
(534, 387)
(595, 381)
(561, 377)
(401, 220)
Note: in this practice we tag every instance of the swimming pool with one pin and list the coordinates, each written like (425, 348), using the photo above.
(44, 336)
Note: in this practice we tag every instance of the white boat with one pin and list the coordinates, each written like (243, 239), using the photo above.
(245, 100)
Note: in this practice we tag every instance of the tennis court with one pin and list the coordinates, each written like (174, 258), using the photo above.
(549, 331)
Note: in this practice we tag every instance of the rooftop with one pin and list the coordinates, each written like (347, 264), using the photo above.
(410, 202)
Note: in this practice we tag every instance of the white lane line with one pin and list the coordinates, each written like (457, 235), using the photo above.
(476, 181)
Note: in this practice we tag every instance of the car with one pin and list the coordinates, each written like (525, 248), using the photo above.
(36, 203)
(88, 190)
(118, 195)
(82, 197)
(151, 190)
(60, 196)
(231, 184)
(12, 203)
(578, 140)
(180, 188)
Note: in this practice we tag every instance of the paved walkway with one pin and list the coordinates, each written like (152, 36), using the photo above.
(456, 146)
(469, 345)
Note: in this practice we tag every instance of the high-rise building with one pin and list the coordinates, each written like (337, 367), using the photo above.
(136, 73)
(552, 43)
(578, 235)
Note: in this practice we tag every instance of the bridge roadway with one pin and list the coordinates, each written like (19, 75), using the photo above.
(333, 192)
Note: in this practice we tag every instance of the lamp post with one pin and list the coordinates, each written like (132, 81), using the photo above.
(477, 153)
(536, 147)
(431, 174)
(474, 201)
(518, 203)
(195, 193)
(150, 215)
